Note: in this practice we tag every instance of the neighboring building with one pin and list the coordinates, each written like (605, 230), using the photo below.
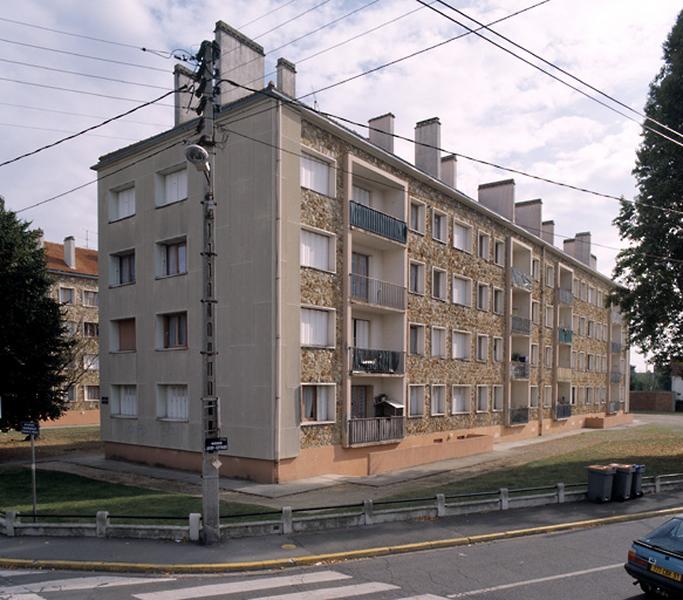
(370, 315)
(74, 271)
(677, 383)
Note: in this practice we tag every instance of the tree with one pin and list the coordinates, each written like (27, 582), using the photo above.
(651, 267)
(36, 353)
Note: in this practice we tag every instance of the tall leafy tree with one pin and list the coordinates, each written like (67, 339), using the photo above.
(651, 267)
(36, 354)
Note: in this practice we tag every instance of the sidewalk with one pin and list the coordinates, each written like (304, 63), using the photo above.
(297, 545)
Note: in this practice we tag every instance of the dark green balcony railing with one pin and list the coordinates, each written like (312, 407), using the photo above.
(563, 411)
(521, 325)
(616, 347)
(564, 296)
(519, 370)
(520, 279)
(378, 222)
(519, 416)
(364, 360)
(565, 335)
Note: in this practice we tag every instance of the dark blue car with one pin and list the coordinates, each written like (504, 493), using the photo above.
(656, 561)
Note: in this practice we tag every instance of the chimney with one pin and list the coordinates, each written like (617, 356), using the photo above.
(381, 131)
(286, 77)
(499, 196)
(70, 251)
(569, 246)
(594, 262)
(548, 232)
(40, 240)
(582, 250)
(241, 60)
(184, 102)
(528, 215)
(449, 170)
(428, 158)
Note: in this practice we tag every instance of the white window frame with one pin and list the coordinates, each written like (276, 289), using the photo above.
(498, 292)
(115, 267)
(162, 404)
(115, 404)
(548, 357)
(547, 396)
(468, 344)
(331, 326)
(419, 415)
(114, 202)
(73, 295)
(573, 395)
(91, 362)
(161, 256)
(498, 349)
(549, 312)
(85, 393)
(468, 399)
(499, 390)
(468, 291)
(482, 342)
(486, 305)
(550, 276)
(469, 236)
(484, 250)
(83, 297)
(479, 389)
(421, 279)
(499, 260)
(534, 392)
(444, 286)
(444, 220)
(421, 216)
(420, 339)
(436, 413)
(331, 403)
(315, 155)
(534, 355)
(442, 331)
(331, 266)
(536, 269)
(160, 199)
(536, 312)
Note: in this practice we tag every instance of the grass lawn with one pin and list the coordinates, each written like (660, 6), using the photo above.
(659, 448)
(64, 493)
(52, 442)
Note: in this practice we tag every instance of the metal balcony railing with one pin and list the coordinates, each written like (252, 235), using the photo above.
(563, 411)
(616, 317)
(379, 293)
(378, 222)
(520, 279)
(615, 377)
(376, 429)
(612, 408)
(565, 335)
(616, 347)
(564, 296)
(519, 416)
(519, 370)
(364, 360)
(521, 325)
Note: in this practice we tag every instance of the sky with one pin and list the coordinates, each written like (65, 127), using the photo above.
(491, 105)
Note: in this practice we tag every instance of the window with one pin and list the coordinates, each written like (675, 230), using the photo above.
(549, 316)
(417, 217)
(590, 365)
(417, 339)
(91, 330)
(438, 284)
(92, 393)
(91, 362)
(548, 357)
(317, 250)
(550, 276)
(462, 291)
(71, 393)
(584, 291)
(417, 401)
(172, 258)
(591, 294)
(121, 203)
(497, 301)
(438, 342)
(483, 246)
(497, 398)
(461, 345)
(573, 360)
(417, 278)
(534, 355)
(482, 348)
(482, 398)
(499, 252)
(590, 395)
(122, 270)
(483, 296)
(361, 195)
(317, 403)
(71, 327)
(536, 269)
(315, 174)
(575, 324)
(461, 399)
(123, 335)
(533, 396)
(172, 402)
(498, 349)
(439, 229)
(582, 361)
(90, 298)
(590, 330)
(123, 401)
(462, 236)
(438, 401)
(547, 396)
(66, 295)
(536, 311)
(173, 187)
(174, 330)
(317, 327)
(573, 396)
(582, 326)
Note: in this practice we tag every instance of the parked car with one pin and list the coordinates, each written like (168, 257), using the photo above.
(656, 560)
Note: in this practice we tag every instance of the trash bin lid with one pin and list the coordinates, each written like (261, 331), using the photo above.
(623, 468)
(606, 469)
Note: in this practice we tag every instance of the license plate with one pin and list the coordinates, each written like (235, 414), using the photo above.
(666, 573)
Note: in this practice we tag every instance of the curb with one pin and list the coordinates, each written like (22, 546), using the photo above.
(331, 557)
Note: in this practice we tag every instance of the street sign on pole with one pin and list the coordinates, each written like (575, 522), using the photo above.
(215, 444)
(31, 429)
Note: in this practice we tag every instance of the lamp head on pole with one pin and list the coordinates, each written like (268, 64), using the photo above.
(199, 157)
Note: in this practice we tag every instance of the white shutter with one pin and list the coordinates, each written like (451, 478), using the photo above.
(175, 186)
(125, 203)
(461, 236)
(176, 402)
(315, 174)
(323, 392)
(460, 291)
(361, 333)
(361, 195)
(128, 400)
(315, 250)
(314, 327)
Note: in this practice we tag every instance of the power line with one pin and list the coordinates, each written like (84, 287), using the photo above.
(111, 137)
(264, 15)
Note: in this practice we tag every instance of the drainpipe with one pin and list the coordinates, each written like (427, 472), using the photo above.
(541, 349)
(277, 117)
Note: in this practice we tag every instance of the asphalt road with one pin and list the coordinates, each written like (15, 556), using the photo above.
(584, 564)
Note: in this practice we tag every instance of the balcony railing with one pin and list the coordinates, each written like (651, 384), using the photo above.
(563, 411)
(564, 296)
(376, 429)
(519, 370)
(378, 222)
(521, 280)
(615, 377)
(616, 317)
(364, 360)
(519, 416)
(379, 293)
(565, 335)
(564, 373)
(521, 325)
(612, 408)
(616, 347)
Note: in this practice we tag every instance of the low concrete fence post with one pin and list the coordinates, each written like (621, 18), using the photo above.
(504, 499)
(102, 523)
(367, 511)
(658, 484)
(10, 521)
(440, 505)
(560, 493)
(287, 526)
(195, 525)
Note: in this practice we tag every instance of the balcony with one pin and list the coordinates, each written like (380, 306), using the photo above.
(563, 411)
(521, 280)
(616, 347)
(565, 335)
(612, 408)
(616, 317)
(519, 370)
(521, 325)
(376, 292)
(564, 374)
(376, 430)
(378, 223)
(387, 362)
(563, 296)
(519, 416)
(615, 377)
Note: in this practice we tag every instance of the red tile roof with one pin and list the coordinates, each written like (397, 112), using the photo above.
(86, 259)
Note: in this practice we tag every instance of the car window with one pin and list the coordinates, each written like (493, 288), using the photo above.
(668, 537)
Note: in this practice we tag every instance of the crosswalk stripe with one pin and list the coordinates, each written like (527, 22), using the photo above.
(16, 572)
(22, 597)
(424, 597)
(347, 591)
(77, 583)
(251, 585)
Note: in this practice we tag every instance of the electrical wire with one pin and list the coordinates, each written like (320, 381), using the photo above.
(110, 137)
(264, 15)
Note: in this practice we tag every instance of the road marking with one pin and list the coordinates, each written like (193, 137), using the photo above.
(251, 585)
(77, 583)
(22, 597)
(16, 572)
(347, 591)
(423, 597)
(508, 586)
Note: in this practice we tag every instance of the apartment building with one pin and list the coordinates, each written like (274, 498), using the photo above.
(370, 315)
(74, 272)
